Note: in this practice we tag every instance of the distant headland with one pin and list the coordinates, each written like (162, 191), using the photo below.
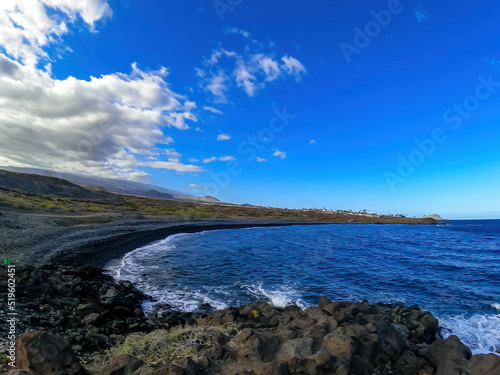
(436, 217)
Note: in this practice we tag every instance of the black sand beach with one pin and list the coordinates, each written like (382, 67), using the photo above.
(31, 239)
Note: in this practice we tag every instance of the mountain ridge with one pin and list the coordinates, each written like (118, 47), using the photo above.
(92, 183)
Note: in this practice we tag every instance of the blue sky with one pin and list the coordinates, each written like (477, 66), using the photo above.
(390, 106)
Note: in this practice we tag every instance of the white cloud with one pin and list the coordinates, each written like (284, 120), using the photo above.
(218, 53)
(217, 85)
(222, 158)
(171, 166)
(213, 110)
(250, 70)
(198, 186)
(227, 158)
(280, 154)
(26, 27)
(223, 137)
(209, 160)
(104, 126)
(173, 156)
(293, 67)
(312, 142)
(244, 78)
(269, 66)
(260, 160)
(234, 30)
(193, 160)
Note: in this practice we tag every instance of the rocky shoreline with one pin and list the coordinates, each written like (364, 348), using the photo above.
(77, 320)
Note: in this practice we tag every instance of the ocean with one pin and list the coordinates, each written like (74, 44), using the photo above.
(451, 270)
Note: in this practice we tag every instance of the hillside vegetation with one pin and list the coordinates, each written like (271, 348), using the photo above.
(150, 207)
(32, 193)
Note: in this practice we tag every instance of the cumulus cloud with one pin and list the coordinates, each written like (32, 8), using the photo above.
(223, 137)
(249, 69)
(193, 160)
(260, 160)
(222, 158)
(106, 126)
(26, 27)
(280, 154)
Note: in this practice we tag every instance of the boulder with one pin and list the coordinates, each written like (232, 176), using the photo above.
(448, 357)
(484, 364)
(409, 364)
(258, 347)
(43, 353)
(123, 365)
(323, 301)
(91, 318)
(302, 366)
(297, 348)
(275, 368)
(316, 313)
(190, 366)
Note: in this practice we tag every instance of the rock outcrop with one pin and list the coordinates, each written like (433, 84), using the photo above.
(334, 338)
(435, 217)
(83, 313)
(42, 353)
(84, 306)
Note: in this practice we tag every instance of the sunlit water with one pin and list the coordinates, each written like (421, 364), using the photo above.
(451, 270)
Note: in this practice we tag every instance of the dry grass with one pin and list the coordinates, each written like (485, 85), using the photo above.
(166, 346)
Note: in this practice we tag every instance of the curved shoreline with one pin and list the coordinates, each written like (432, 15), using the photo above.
(44, 239)
(100, 248)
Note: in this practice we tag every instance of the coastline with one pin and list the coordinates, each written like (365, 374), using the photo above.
(40, 239)
(105, 247)
(91, 313)
(96, 245)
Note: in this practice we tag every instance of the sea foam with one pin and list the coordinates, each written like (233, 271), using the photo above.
(279, 297)
(480, 332)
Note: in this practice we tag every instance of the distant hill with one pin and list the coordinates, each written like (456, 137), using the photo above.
(44, 185)
(435, 217)
(207, 199)
(117, 186)
(156, 194)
